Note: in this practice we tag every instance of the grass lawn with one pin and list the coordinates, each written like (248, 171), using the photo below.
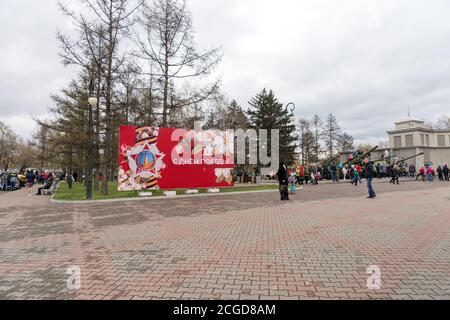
(78, 192)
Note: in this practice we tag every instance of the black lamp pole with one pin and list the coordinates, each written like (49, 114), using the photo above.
(290, 108)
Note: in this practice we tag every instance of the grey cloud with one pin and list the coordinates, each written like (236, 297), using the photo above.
(324, 55)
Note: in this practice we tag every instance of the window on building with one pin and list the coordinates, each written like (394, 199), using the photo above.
(427, 138)
(441, 141)
(397, 141)
(422, 140)
(409, 139)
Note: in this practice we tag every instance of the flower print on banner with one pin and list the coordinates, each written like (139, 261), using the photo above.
(210, 143)
(224, 174)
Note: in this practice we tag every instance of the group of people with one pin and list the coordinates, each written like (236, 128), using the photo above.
(304, 175)
(288, 179)
(355, 172)
(13, 181)
(9, 181)
(45, 178)
(428, 173)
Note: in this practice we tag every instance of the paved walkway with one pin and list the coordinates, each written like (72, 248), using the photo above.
(317, 246)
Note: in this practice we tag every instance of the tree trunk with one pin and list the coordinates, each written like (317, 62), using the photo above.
(108, 79)
(166, 68)
(166, 94)
(97, 122)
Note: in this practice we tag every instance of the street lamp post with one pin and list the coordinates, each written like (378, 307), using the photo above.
(102, 165)
(290, 108)
(92, 102)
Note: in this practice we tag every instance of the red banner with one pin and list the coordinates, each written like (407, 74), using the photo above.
(153, 158)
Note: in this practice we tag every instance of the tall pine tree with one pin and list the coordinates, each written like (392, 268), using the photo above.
(266, 112)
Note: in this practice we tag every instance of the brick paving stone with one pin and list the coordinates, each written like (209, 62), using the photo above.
(399, 297)
(262, 297)
(172, 295)
(248, 297)
(191, 296)
(420, 297)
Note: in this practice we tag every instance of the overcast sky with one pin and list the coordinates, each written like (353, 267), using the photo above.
(364, 60)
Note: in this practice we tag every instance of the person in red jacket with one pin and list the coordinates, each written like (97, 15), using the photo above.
(360, 170)
(421, 174)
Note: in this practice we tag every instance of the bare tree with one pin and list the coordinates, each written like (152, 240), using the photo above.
(345, 142)
(8, 146)
(383, 144)
(25, 155)
(307, 141)
(365, 147)
(331, 132)
(41, 136)
(316, 124)
(101, 31)
(169, 45)
(443, 122)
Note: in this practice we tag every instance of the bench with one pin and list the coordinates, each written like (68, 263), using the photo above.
(52, 189)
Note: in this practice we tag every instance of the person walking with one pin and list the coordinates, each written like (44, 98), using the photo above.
(412, 171)
(351, 173)
(30, 182)
(301, 175)
(445, 172)
(378, 170)
(317, 178)
(368, 173)
(356, 177)
(360, 171)
(292, 184)
(384, 171)
(430, 174)
(333, 170)
(421, 174)
(394, 175)
(307, 175)
(283, 181)
(440, 173)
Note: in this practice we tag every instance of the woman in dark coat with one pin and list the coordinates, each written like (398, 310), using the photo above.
(283, 180)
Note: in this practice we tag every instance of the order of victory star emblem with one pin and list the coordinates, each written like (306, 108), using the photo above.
(145, 162)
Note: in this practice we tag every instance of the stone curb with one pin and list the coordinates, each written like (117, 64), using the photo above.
(200, 195)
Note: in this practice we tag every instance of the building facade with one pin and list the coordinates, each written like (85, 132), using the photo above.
(411, 136)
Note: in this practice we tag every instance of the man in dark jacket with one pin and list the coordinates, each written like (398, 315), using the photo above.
(333, 172)
(283, 180)
(368, 173)
(445, 171)
(378, 169)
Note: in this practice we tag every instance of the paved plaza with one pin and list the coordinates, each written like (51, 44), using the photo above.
(252, 246)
